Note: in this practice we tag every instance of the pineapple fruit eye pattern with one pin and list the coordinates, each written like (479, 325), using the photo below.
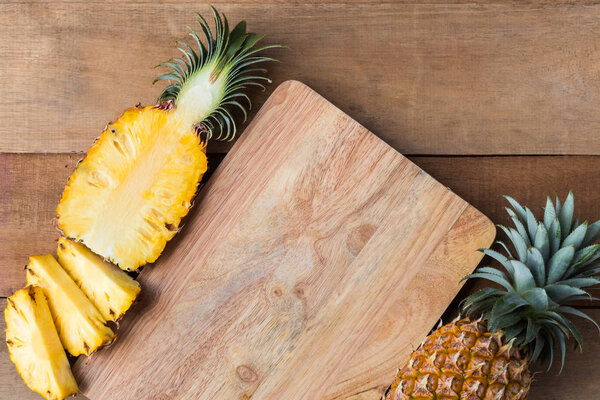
(124, 202)
(126, 199)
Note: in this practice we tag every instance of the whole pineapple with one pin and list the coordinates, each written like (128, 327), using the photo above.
(126, 199)
(487, 355)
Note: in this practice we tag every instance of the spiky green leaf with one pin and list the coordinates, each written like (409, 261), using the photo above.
(576, 237)
(523, 279)
(517, 207)
(563, 293)
(558, 264)
(537, 298)
(501, 258)
(549, 213)
(535, 262)
(491, 277)
(566, 215)
(542, 241)
(554, 236)
(531, 224)
(592, 235)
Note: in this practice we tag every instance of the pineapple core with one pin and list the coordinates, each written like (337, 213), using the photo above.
(81, 327)
(111, 290)
(126, 198)
(34, 346)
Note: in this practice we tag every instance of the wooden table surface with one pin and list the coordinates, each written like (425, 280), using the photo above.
(490, 98)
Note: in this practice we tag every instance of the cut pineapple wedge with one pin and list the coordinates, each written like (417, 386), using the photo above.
(34, 346)
(111, 290)
(81, 327)
(126, 198)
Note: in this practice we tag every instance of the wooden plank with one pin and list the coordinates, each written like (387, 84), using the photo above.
(481, 78)
(481, 181)
(341, 2)
(578, 381)
(272, 267)
(31, 186)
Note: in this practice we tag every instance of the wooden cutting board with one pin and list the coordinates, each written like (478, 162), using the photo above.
(314, 261)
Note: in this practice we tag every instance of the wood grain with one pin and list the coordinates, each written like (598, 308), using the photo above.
(578, 380)
(471, 78)
(273, 264)
(482, 180)
(30, 187)
(32, 184)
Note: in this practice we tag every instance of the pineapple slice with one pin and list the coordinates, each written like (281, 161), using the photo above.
(81, 327)
(34, 346)
(126, 198)
(111, 290)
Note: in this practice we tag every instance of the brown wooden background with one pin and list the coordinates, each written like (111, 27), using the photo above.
(490, 98)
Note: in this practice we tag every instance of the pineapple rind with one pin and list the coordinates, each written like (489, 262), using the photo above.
(34, 346)
(463, 360)
(126, 198)
(111, 290)
(80, 326)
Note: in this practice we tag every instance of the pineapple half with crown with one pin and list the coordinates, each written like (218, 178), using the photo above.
(488, 353)
(34, 346)
(111, 290)
(80, 326)
(126, 199)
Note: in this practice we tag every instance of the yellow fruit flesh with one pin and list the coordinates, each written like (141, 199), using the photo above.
(80, 326)
(34, 346)
(111, 290)
(125, 200)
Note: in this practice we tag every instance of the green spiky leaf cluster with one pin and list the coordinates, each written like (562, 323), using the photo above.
(227, 59)
(552, 263)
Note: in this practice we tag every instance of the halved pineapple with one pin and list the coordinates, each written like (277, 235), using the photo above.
(111, 290)
(34, 346)
(80, 326)
(126, 198)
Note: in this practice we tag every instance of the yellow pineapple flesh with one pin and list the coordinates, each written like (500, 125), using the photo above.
(463, 360)
(111, 290)
(34, 346)
(80, 326)
(126, 198)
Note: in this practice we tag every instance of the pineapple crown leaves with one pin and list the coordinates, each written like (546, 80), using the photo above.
(554, 262)
(230, 52)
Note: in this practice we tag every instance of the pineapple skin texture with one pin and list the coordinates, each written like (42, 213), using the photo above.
(126, 198)
(111, 290)
(81, 328)
(463, 360)
(34, 346)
